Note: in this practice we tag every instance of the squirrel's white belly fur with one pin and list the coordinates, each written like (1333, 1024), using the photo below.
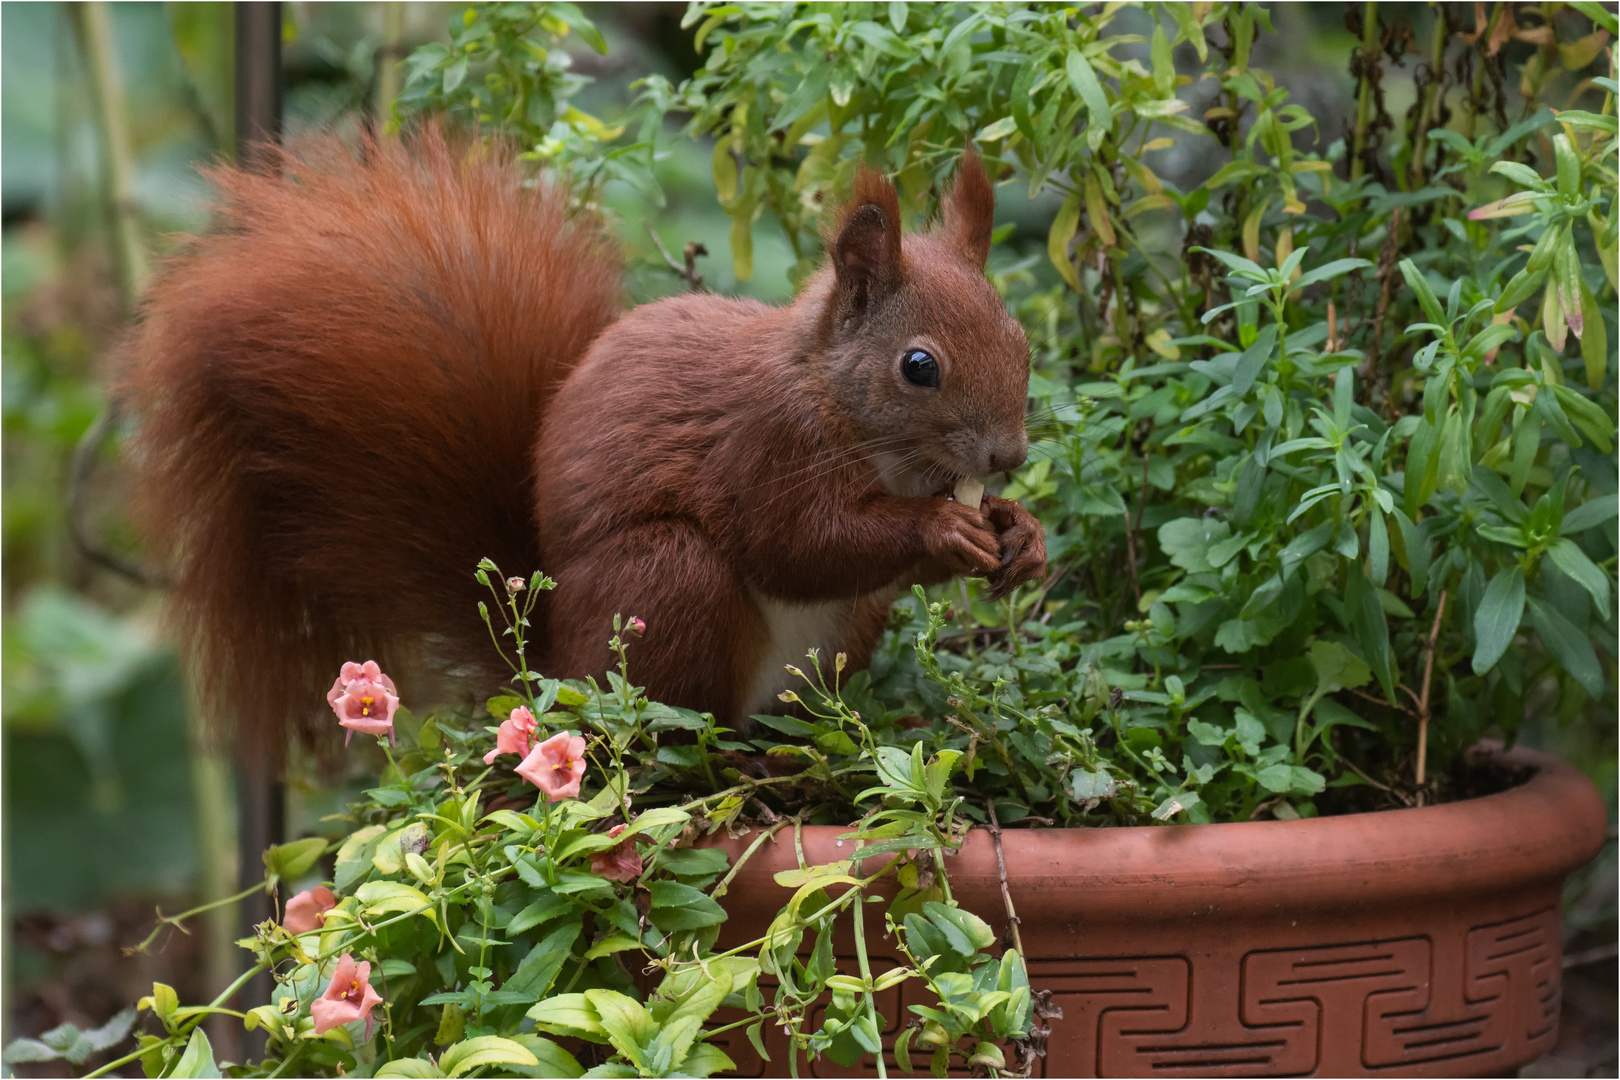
(791, 630)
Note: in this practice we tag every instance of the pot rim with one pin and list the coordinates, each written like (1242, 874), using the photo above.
(1525, 836)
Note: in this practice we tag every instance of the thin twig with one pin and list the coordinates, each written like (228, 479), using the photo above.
(84, 463)
(1001, 868)
(1376, 700)
(1357, 770)
(1423, 699)
(687, 273)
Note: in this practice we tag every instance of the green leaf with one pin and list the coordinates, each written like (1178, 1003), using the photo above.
(1422, 468)
(407, 1069)
(537, 973)
(1425, 295)
(1370, 625)
(384, 897)
(1084, 81)
(1327, 272)
(470, 1054)
(1569, 558)
(706, 1059)
(1377, 547)
(1571, 648)
(554, 1060)
(569, 1015)
(1253, 361)
(1187, 541)
(1569, 166)
(1600, 13)
(198, 1060)
(1336, 667)
(681, 907)
(1487, 483)
(292, 861)
(1594, 340)
(629, 1026)
(1497, 618)
(1064, 226)
(1522, 286)
(1590, 514)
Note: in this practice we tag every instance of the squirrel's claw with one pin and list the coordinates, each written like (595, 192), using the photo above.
(1023, 545)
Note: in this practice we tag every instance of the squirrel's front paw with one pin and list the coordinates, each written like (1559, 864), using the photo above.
(1021, 543)
(960, 538)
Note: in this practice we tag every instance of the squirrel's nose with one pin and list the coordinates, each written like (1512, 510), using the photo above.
(1007, 454)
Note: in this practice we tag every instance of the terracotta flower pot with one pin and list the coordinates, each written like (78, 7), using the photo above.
(1418, 942)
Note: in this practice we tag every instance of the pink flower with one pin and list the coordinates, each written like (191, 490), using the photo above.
(516, 735)
(636, 626)
(348, 997)
(307, 911)
(515, 585)
(555, 766)
(364, 700)
(621, 862)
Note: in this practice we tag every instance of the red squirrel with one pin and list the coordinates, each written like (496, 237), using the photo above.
(390, 362)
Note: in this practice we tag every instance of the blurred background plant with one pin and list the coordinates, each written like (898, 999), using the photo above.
(1220, 445)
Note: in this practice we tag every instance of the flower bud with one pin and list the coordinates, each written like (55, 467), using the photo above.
(515, 585)
(636, 626)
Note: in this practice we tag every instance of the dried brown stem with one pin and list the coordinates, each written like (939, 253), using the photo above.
(1423, 698)
(1001, 869)
(687, 272)
(1386, 278)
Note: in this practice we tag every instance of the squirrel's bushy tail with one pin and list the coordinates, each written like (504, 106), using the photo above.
(338, 395)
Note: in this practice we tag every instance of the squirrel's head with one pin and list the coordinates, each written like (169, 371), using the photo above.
(929, 367)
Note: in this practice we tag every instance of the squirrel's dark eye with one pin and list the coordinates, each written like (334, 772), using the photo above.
(919, 368)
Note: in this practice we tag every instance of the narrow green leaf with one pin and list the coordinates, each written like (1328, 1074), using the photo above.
(1571, 648)
(1497, 618)
(1084, 81)
(1589, 514)
(1425, 295)
(1568, 557)
(1371, 627)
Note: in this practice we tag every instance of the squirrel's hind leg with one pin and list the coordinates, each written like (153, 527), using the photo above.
(703, 630)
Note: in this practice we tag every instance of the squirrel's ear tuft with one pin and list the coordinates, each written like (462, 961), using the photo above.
(970, 209)
(866, 249)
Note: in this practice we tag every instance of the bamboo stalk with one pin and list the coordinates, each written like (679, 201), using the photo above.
(90, 23)
(388, 60)
(1369, 56)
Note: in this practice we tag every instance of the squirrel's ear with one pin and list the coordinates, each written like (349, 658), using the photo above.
(866, 251)
(970, 209)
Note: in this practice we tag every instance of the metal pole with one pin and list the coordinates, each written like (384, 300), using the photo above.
(260, 795)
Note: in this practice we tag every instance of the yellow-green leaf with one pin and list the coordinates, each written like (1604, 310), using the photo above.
(742, 247)
(1594, 342)
(386, 897)
(1064, 226)
(293, 861)
(407, 1069)
(1251, 230)
(1097, 211)
(725, 181)
(485, 1050)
